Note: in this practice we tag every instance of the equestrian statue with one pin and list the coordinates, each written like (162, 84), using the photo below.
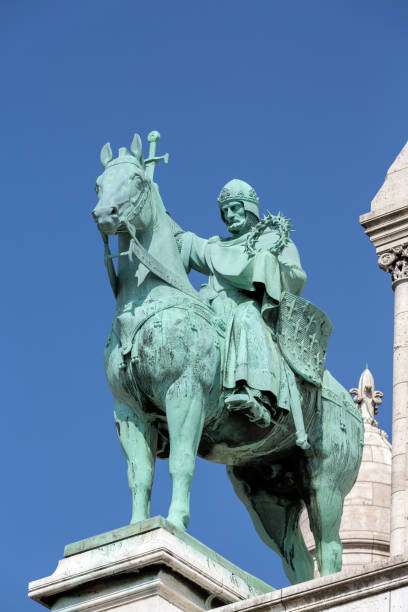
(234, 373)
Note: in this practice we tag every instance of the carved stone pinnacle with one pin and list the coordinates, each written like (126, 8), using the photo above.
(367, 397)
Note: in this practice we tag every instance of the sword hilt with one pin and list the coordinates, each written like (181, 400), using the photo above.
(153, 138)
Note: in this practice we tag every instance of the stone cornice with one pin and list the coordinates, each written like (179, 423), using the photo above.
(386, 228)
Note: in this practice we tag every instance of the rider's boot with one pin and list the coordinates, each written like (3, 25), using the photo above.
(252, 403)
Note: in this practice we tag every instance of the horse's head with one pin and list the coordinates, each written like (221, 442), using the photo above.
(120, 188)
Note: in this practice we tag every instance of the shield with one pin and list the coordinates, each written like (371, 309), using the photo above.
(303, 332)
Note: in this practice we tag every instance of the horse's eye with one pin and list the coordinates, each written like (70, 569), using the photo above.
(97, 188)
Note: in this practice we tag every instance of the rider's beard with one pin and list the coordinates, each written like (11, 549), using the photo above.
(236, 226)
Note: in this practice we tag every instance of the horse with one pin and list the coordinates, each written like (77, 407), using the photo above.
(163, 362)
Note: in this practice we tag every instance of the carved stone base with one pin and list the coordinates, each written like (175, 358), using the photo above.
(147, 566)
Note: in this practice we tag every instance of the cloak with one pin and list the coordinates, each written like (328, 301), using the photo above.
(230, 267)
(245, 291)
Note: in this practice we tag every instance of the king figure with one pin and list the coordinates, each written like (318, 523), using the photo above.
(248, 273)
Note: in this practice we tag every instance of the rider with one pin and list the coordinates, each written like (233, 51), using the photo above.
(244, 288)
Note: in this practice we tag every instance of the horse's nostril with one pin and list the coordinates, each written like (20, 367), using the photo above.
(113, 210)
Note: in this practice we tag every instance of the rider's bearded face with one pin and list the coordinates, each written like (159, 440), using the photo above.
(235, 218)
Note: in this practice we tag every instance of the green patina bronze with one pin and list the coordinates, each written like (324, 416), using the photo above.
(234, 373)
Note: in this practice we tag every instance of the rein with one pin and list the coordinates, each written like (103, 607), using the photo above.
(147, 259)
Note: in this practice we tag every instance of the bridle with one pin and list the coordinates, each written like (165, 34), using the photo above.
(137, 249)
(134, 210)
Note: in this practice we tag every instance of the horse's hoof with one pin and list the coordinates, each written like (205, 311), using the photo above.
(179, 522)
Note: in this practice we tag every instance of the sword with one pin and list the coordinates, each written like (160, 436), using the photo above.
(152, 160)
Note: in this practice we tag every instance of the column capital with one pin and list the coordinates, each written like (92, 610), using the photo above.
(395, 261)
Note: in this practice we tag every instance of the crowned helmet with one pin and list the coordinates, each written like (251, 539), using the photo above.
(240, 191)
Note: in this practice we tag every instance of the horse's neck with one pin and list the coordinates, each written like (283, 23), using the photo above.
(136, 283)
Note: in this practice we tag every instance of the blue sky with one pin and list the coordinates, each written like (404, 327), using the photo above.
(307, 101)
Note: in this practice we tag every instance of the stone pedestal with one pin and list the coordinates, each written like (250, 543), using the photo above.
(150, 566)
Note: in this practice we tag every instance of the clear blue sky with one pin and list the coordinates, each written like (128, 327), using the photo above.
(307, 101)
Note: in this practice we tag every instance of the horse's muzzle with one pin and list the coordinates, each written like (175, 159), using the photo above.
(106, 219)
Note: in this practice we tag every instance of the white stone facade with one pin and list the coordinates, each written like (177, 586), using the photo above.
(387, 227)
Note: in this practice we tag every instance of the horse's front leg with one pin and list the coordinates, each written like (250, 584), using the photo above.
(185, 419)
(138, 439)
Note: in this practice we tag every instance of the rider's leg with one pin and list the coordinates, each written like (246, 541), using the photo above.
(252, 367)
(185, 419)
(256, 360)
(253, 403)
(138, 439)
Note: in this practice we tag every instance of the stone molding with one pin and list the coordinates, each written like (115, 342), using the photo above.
(377, 543)
(386, 228)
(378, 588)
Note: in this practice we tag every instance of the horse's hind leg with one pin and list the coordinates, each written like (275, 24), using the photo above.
(185, 419)
(325, 507)
(329, 472)
(138, 439)
(276, 519)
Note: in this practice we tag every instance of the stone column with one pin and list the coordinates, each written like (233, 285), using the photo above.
(387, 227)
(395, 261)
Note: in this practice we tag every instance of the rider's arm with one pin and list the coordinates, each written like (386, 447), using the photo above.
(192, 250)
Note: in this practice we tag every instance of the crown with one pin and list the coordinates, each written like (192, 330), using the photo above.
(227, 195)
(238, 190)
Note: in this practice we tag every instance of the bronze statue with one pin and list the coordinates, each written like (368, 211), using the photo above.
(234, 373)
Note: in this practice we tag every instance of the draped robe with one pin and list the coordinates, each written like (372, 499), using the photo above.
(245, 292)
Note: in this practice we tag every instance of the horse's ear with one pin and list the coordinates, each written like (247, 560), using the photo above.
(106, 154)
(137, 149)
